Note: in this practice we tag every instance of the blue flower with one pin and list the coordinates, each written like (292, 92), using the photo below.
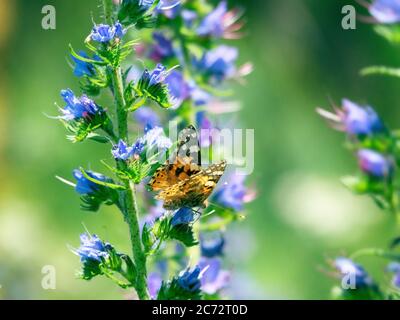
(85, 186)
(78, 108)
(147, 117)
(105, 33)
(374, 163)
(354, 119)
(122, 151)
(155, 137)
(394, 267)
(82, 67)
(385, 11)
(359, 120)
(163, 5)
(347, 267)
(234, 193)
(178, 87)
(158, 75)
(214, 278)
(189, 279)
(198, 96)
(218, 63)
(188, 17)
(183, 215)
(221, 23)
(213, 23)
(92, 249)
(212, 246)
(154, 282)
(162, 48)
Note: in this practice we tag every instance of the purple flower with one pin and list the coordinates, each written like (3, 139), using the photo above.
(184, 215)
(218, 63)
(189, 279)
(92, 248)
(105, 33)
(220, 23)
(122, 151)
(188, 17)
(354, 119)
(82, 67)
(212, 245)
(198, 96)
(147, 117)
(347, 267)
(162, 48)
(234, 193)
(359, 120)
(214, 279)
(385, 11)
(155, 137)
(394, 267)
(374, 163)
(212, 25)
(178, 87)
(155, 211)
(85, 186)
(154, 281)
(78, 108)
(205, 126)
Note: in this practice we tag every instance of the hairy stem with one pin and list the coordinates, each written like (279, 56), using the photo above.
(130, 207)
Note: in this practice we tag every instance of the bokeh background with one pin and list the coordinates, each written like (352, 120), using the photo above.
(302, 216)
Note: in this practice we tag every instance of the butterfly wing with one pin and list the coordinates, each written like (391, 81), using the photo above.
(193, 191)
(185, 163)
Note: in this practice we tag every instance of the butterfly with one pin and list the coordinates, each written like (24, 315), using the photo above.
(182, 182)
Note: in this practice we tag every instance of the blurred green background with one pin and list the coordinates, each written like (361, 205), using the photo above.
(302, 214)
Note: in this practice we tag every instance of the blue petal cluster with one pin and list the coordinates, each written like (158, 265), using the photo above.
(92, 248)
(85, 186)
(189, 279)
(374, 163)
(346, 266)
(214, 278)
(218, 63)
(360, 120)
(385, 11)
(104, 33)
(122, 151)
(78, 108)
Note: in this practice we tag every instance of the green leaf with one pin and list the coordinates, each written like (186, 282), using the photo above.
(381, 70)
(183, 233)
(355, 184)
(102, 183)
(148, 239)
(389, 32)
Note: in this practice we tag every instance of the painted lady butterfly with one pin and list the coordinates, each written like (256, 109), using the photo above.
(182, 182)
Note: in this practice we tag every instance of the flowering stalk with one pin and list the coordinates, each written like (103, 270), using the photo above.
(130, 211)
(377, 150)
(170, 223)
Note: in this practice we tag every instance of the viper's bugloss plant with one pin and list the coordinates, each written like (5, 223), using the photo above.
(178, 71)
(376, 149)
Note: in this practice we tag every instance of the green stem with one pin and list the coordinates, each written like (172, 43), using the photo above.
(131, 216)
(377, 253)
(130, 207)
(108, 7)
